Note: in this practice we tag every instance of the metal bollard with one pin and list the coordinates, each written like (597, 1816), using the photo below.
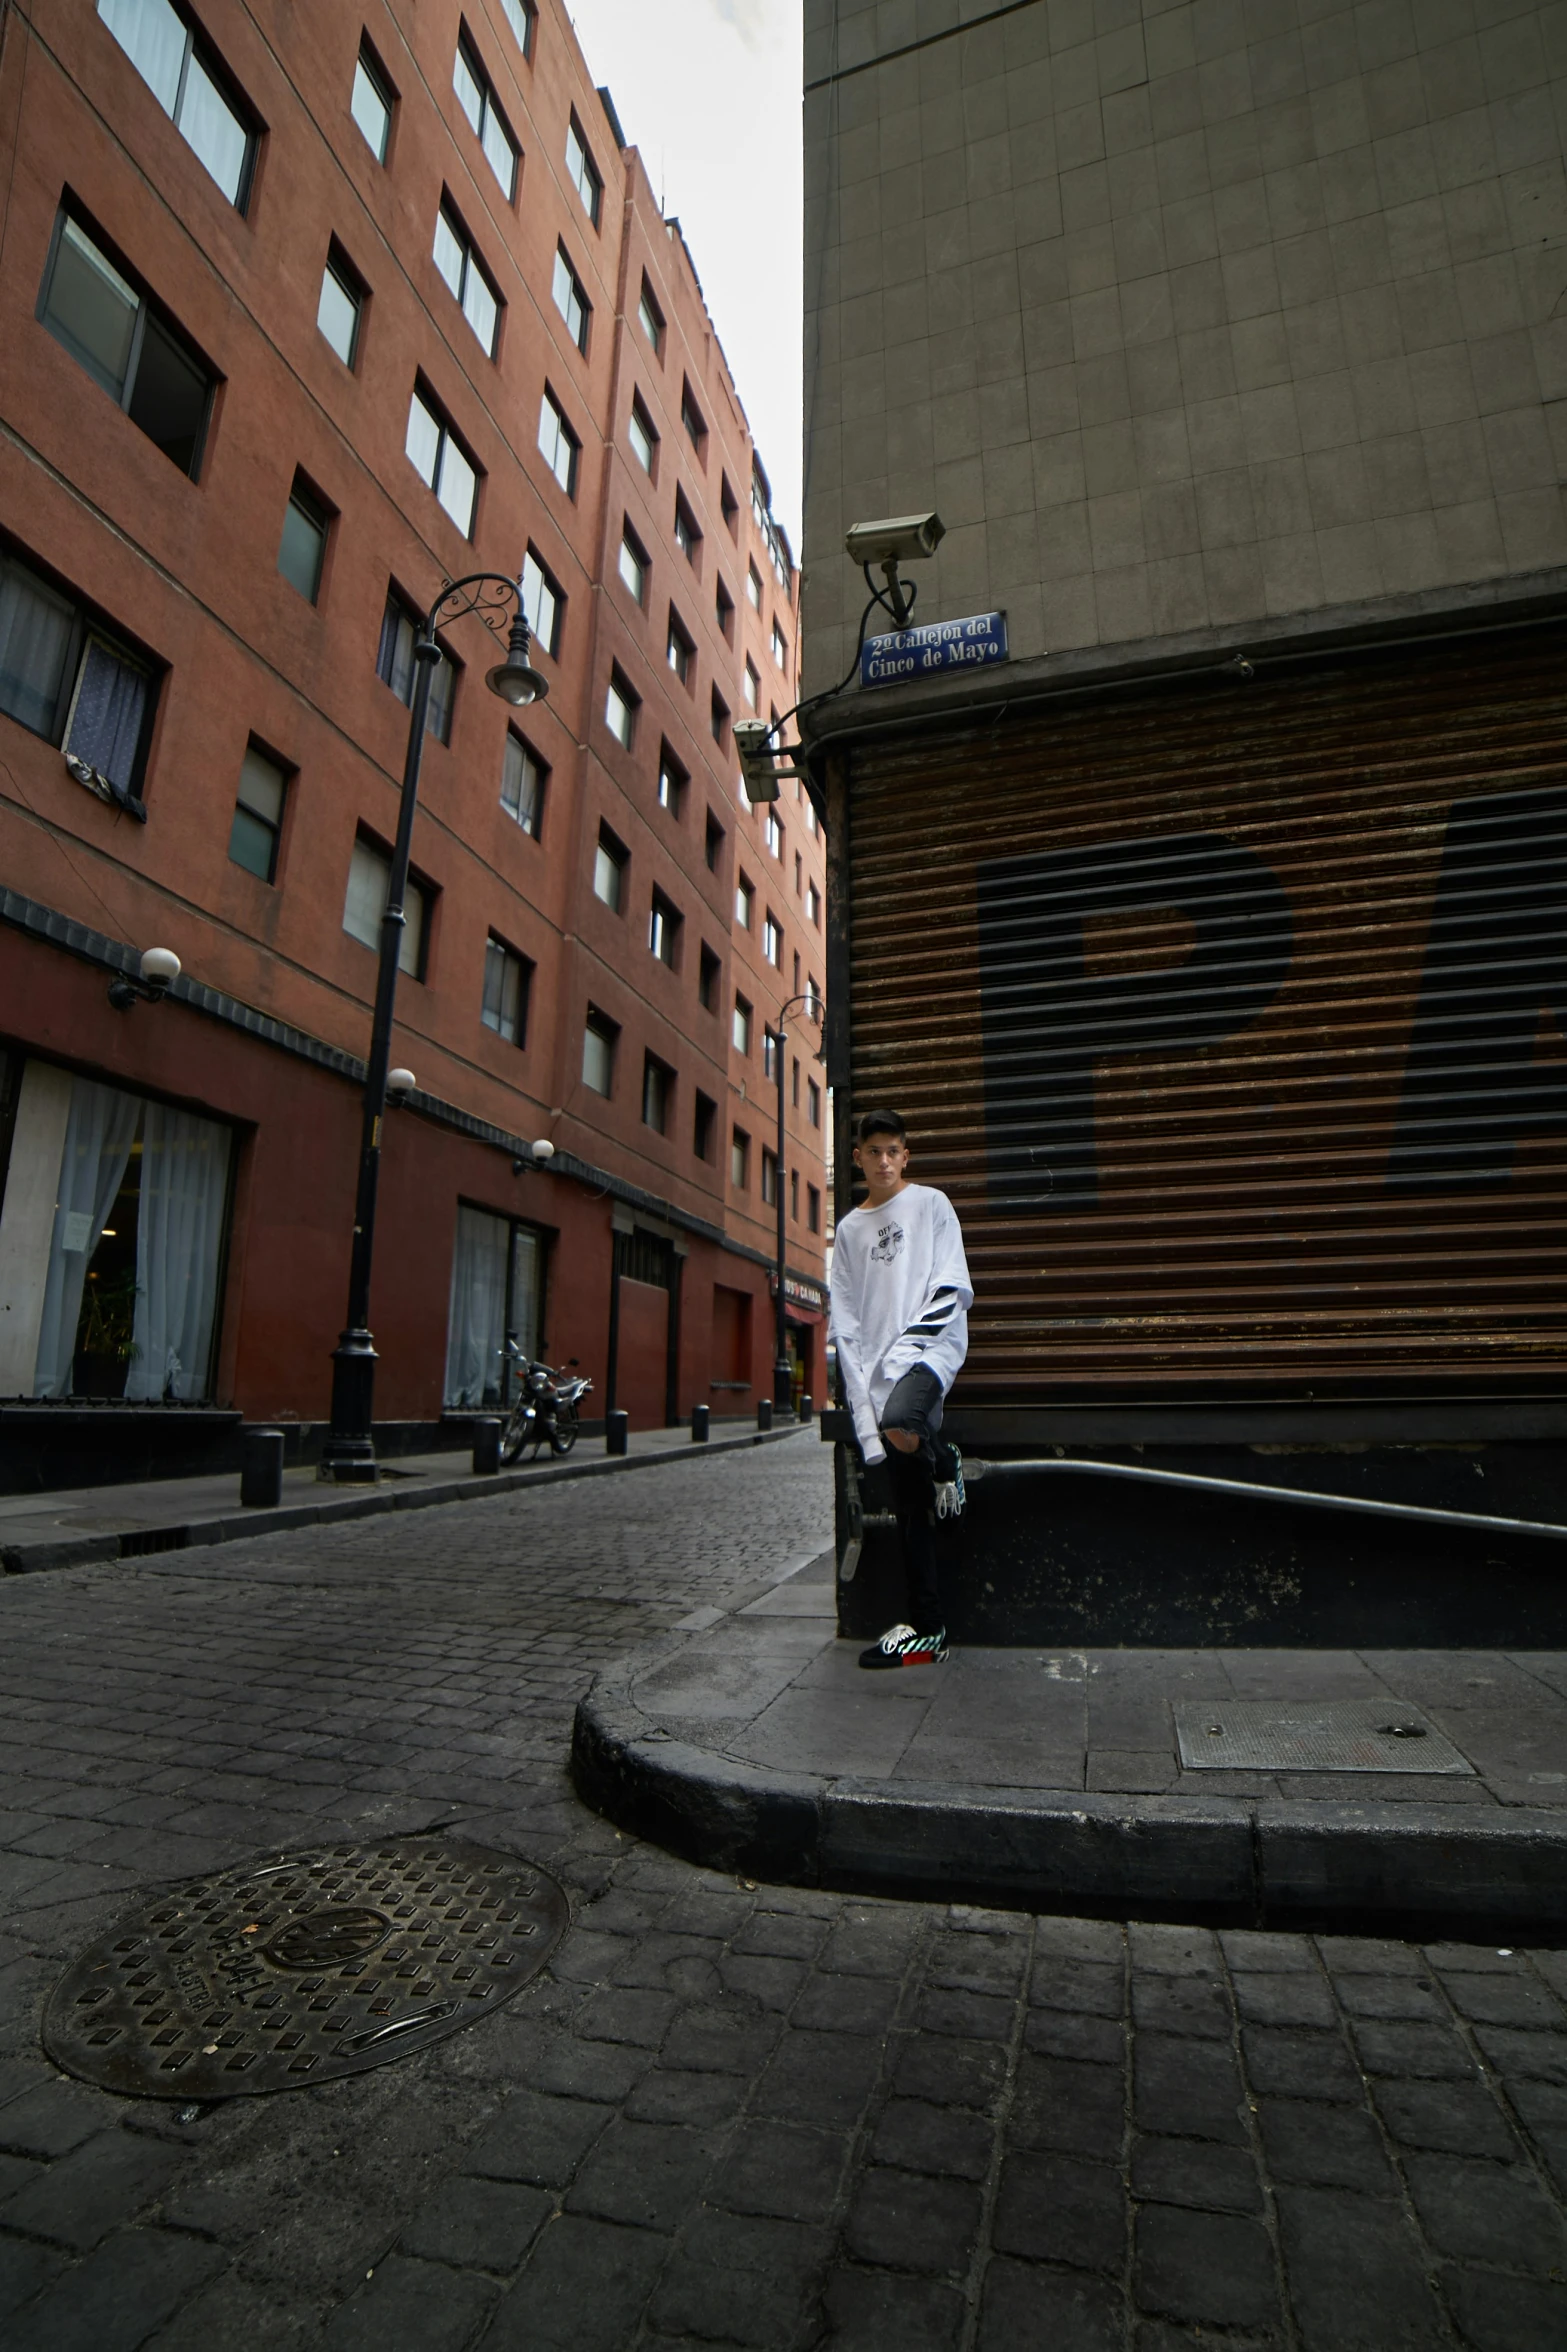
(806, 1409)
(764, 1413)
(486, 1446)
(261, 1470)
(616, 1426)
(700, 1416)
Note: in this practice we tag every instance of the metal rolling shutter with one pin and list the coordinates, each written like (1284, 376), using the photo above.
(1232, 1017)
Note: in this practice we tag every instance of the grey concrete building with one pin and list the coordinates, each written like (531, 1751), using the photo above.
(1184, 316)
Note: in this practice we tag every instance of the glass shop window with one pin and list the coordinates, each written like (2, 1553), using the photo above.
(497, 1291)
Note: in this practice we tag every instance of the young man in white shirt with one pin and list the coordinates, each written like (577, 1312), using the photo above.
(900, 1300)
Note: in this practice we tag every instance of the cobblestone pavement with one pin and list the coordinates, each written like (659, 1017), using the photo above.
(726, 2115)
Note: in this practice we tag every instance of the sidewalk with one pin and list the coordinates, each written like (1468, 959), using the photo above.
(1055, 1782)
(65, 1528)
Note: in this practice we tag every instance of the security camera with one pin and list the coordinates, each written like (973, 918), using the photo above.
(902, 539)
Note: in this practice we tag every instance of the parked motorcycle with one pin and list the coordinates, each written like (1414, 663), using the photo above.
(545, 1406)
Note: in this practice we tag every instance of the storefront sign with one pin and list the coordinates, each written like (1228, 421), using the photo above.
(799, 1293)
(940, 645)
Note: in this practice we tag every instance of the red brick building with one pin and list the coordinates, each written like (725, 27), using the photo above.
(303, 314)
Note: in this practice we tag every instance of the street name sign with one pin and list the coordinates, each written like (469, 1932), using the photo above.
(939, 645)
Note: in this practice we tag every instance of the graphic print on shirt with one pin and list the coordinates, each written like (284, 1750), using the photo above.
(888, 1242)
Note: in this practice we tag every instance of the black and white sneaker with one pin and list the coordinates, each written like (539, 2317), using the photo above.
(950, 1493)
(900, 1645)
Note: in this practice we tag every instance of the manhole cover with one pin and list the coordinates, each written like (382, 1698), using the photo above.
(1324, 1735)
(289, 1972)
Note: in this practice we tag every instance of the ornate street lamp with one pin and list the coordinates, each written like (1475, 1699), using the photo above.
(349, 1452)
(783, 1387)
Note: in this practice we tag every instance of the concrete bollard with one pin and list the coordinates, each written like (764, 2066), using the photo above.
(700, 1417)
(806, 1409)
(616, 1428)
(486, 1446)
(764, 1413)
(261, 1469)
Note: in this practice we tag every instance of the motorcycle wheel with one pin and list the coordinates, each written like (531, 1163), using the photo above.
(514, 1437)
(564, 1434)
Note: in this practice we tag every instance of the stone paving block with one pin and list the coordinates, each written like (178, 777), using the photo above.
(1504, 2000)
(665, 2095)
(1292, 2062)
(25, 2270)
(54, 2117)
(1266, 1998)
(941, 2140)
(1060, 2209)
(1501, 2314)
(1066, 2033)
(770, 1983)
(1173, 1951)
(1476, 2211)
(1209, 2268)
(233, 2312)
(785, 2170)
(868, 2310)
(722, 2039)
(1192, 2005)
(850, 2004)
(1024, 2303)
(1187, 2088)
(560, 2063)
(979, 2017)
(537, 2138)
(1356, 2277)
(1100, 1940)
(78, 2201)
(978, 1960)
(1196, 2173)
(1076, 2109)
(817, 2078)
(1096, 1987)
(476, 2224)
(782, 1934)
(639, 2017)
(1391, 1996)
(1429, 2051)
(120, 2295)
(1461, 2118)
(645, 2174)
(418, 2306)
(906, 2221)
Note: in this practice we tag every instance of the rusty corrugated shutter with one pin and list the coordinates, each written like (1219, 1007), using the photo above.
(1232, 1018)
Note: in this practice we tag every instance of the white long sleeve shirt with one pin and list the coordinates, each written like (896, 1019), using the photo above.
(900, 1297)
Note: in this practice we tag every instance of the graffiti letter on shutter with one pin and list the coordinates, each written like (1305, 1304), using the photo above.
(1048, 1019)
(1495, 962)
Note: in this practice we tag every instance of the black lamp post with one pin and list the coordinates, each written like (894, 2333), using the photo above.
(349, 1452)
(783, 1393)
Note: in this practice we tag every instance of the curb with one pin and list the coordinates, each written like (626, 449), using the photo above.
(134, 1543)
(1427, 1871)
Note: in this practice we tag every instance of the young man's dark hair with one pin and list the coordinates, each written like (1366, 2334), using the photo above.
(881, 1123)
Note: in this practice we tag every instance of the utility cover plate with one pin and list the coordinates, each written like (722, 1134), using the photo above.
(296, 1970)
(1311, 1735)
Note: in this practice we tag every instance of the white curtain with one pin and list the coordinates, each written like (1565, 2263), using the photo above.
(478, 1310)
(525, 1288)
(98, 1139)
(35, 634)
(179, 1246)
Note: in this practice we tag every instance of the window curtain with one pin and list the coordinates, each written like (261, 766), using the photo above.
(35, 636)
(98, 1138)
(525, 1288)
(106, 723)
(478, 1310)
(179, 1249)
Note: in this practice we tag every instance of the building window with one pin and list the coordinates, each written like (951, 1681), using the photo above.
(742, 1026)
(680, 651)
(714, 845)
(559, 443)
(570, 300)
(106, 323)
(769, 1178)
(658, 1093)
(467, 277)
(369, 878)
(582, 172)
(598, 1052)
(740, 1160)
(258, 815)
(813, 1209)
(775, 835)
(672, 781)
(505, 1005)
(720, 717)
(813, 1001)
(643, 439)
(794, 1194)
(302, 549)
(753, 586)
(794, 1082)
(342, 303)
(440, 461)
(372, 101)
(745, 903)
(523, 779)
(188, 83)
(610, 859)
(522, 17)
(710, 972)
(477, 100)
(633, 562)
(692, 418)
(68, 680)
(770, 1050)
(729, 506)
(799, 864)
(753, 684)
(813, 1102)
(663, 930)
(543, 604)
(813, 904)
(687, 537)
(496, 1267)
(724, 611)
(397, 668)
(651, 318)
(813, 823)
(621, 704)
(772, 940)
(704, 1126)
(780, 649)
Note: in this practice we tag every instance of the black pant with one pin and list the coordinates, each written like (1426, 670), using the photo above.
(915, 1404)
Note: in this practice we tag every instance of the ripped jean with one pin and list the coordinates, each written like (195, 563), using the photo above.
(915, 1405)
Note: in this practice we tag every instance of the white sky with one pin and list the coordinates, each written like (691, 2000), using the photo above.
(709, 90)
